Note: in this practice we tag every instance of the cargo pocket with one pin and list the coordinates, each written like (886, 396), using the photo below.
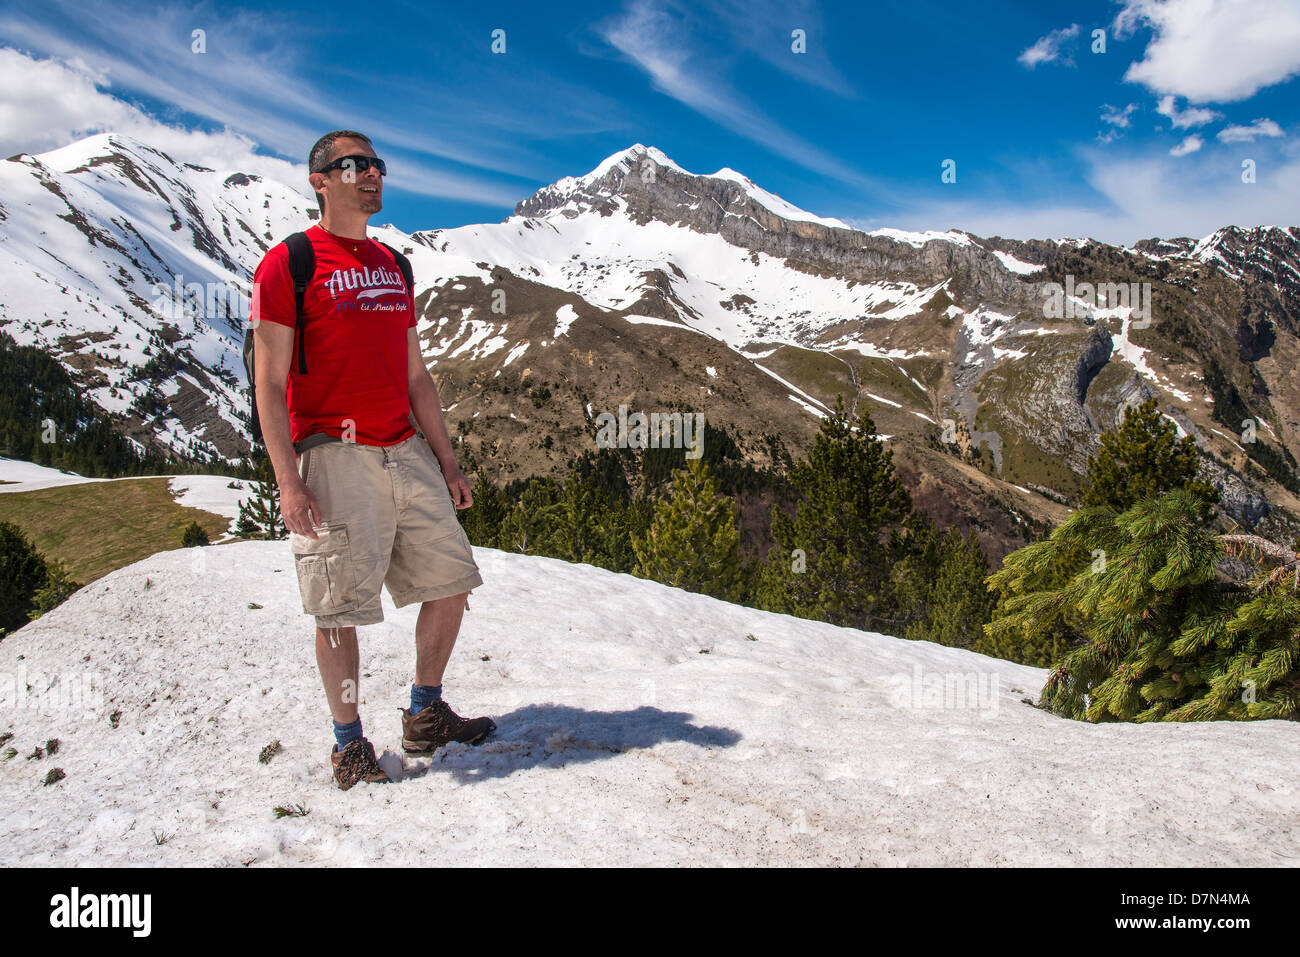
(326, 578)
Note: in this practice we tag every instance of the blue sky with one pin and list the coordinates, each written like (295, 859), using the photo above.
(1049, 138)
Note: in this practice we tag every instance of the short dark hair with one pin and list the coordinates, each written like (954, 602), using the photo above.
(320, 153)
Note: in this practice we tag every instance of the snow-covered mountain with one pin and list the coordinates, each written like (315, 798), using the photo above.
(644, 284)
(627, 736)
(94, 239)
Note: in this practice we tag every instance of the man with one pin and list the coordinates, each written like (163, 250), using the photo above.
(369, 499)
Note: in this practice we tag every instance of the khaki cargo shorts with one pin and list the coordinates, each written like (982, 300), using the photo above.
(387, 519)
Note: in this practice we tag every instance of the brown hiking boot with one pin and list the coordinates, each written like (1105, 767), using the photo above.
(437, 725)
(357, 763)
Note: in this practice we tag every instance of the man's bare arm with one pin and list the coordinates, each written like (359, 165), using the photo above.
(272, 354)
(427, 408)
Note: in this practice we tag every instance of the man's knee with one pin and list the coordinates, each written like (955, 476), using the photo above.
(449, 600)
(343, 634)
(449, 605)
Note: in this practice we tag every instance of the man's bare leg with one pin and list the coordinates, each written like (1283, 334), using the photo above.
(435, 636)
(339, 660)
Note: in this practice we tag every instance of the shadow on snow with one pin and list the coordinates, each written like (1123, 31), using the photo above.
(553, 736)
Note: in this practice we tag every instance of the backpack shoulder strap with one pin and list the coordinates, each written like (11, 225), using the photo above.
(302, 265)
(404, 265)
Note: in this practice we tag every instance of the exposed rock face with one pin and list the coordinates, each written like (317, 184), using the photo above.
(1095, 354)
(1248, 506)
(644, 284)
(648, 187)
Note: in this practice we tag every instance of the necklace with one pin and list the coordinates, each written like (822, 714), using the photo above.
(346, 239)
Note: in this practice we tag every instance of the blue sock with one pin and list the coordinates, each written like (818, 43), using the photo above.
(424, 695)
(345, 734)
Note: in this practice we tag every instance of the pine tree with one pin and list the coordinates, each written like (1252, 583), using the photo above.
(913, 571)
(194, 535)
(1167, 632)
(482, 520)
(1039, 640)
(958, 605)
(23, 572)
(529, 527)
(693, 541)
(259, 515)
(831, 560)
(58, 587)
(1141, 459)
(591, 526)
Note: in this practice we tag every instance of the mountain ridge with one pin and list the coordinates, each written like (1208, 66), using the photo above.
(629, 283)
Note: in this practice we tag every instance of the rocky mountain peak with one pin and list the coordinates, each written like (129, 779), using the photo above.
(646, 183)
(643, 278)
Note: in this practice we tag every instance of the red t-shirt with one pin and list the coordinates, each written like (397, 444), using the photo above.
(357, 311)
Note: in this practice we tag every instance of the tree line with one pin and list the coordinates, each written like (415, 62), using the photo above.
(46, 418)
(1144, 605)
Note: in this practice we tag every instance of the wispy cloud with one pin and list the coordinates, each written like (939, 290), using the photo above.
(1247, 134)
(1048, 49)
(49, 103)
(1189, 118)
(656, 36)
(1135, 197)
(1118, 120)
(250, 88)
(766, 29)
(1116, 116)
(1190, 145)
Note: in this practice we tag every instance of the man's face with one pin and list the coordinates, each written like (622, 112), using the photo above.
(347, 190)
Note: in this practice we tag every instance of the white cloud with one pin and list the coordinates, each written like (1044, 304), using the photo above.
(1047, 49)
(257, 81)
(1213, 51)
(1117, 117)
(1189, 145)
(1191, 117)
(1247, 134)
(45, 104)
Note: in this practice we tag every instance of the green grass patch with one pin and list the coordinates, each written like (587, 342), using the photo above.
(819, 374)
(97, 527)
(882, 376)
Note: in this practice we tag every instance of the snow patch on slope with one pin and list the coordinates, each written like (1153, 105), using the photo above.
(919, 239)
(618, 742)
(1017, 266)
(564, 318)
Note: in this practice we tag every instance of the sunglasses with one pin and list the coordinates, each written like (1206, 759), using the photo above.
(357, 163)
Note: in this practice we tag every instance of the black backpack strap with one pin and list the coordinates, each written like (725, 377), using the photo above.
(404, 265)
(302, 266)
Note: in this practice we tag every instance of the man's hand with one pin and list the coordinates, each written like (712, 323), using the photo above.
(299, 507)
(457, 485)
